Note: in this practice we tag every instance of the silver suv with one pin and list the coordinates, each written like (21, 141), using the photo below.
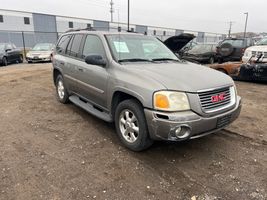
(137, 82)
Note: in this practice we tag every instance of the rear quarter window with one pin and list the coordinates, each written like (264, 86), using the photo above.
(62, 44)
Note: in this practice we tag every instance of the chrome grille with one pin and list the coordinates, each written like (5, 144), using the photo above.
(206, 99)
(253, 53)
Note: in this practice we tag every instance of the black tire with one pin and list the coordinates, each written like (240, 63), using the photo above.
(20, 60)
(62, 98)
(4, 61)
(220, 60)
(143, 140)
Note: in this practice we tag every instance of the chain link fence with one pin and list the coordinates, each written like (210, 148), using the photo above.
(25, 40)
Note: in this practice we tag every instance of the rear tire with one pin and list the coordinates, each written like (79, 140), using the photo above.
(131, 125)
(4, 61)
(62, 92)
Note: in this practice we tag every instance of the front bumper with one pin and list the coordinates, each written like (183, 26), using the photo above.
(162, 125)
(38, 59)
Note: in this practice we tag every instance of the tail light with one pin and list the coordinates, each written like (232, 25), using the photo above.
(243, 51)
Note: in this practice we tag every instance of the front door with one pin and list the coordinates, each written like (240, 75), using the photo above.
(92, 79)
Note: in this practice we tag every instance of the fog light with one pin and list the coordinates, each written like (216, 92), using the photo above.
(182, 132)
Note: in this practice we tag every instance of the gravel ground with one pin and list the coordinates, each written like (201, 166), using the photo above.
(52, 151)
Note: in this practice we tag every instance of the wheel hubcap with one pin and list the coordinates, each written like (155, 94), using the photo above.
(129, 126)
(60, 89)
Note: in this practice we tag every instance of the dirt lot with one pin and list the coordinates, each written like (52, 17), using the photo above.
(52, 151)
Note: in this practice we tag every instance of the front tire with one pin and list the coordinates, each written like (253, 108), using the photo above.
(62, 92)
(131, 125)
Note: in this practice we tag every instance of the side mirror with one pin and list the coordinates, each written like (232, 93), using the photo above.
(95, 60)
(7, 50)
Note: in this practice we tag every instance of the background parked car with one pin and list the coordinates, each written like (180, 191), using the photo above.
(232, 49)
(202, 53)
(254, 52)
(178, 43)
(40, 52)
(9, 53)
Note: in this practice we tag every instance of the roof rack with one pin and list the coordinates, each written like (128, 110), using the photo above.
(81, 29)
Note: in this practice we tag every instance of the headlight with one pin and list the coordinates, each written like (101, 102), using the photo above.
(171, 101)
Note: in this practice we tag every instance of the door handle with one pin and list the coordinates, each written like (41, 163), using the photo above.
(62, 63)
(80, 69)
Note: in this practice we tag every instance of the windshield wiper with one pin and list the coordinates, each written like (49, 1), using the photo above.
(165, 59)
(134, 60)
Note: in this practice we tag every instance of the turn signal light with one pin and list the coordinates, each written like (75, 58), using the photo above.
(161, 101)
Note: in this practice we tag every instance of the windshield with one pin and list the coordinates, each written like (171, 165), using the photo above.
(201, 48)
(262, 42)
(138, 48)
(42, 47)
(2, 47)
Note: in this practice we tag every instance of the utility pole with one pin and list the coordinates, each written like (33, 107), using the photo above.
(128, 15)
(230, 29)
(246, 13)
(111, 10)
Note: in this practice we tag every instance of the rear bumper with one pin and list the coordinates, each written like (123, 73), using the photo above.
(163, 125)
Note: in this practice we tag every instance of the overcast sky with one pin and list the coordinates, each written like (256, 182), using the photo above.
(200, 15)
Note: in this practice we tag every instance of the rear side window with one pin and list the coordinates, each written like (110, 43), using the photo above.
(93, 46)
(62, 44)
(75, 46)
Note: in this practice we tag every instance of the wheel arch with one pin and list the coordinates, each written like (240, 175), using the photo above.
(56, 72)
(121, 95)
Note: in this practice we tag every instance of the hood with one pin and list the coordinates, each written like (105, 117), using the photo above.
(176, 43)
(258, 48)
(186, 76)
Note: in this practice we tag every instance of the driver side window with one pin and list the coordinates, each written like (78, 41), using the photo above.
(93, 46)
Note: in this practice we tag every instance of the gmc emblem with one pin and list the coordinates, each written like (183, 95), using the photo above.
(217, 98)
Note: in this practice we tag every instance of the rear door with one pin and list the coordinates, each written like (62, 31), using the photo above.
(93, 79)
(73, 58)
(62, 61)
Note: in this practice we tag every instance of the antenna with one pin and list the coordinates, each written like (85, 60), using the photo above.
(111, 10)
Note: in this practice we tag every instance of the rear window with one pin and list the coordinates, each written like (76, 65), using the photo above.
(62, 44)
(234, 43)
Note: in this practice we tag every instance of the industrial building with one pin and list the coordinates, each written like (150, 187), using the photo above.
(26, 29)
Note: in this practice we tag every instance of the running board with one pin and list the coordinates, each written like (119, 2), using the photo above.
(90, 108)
